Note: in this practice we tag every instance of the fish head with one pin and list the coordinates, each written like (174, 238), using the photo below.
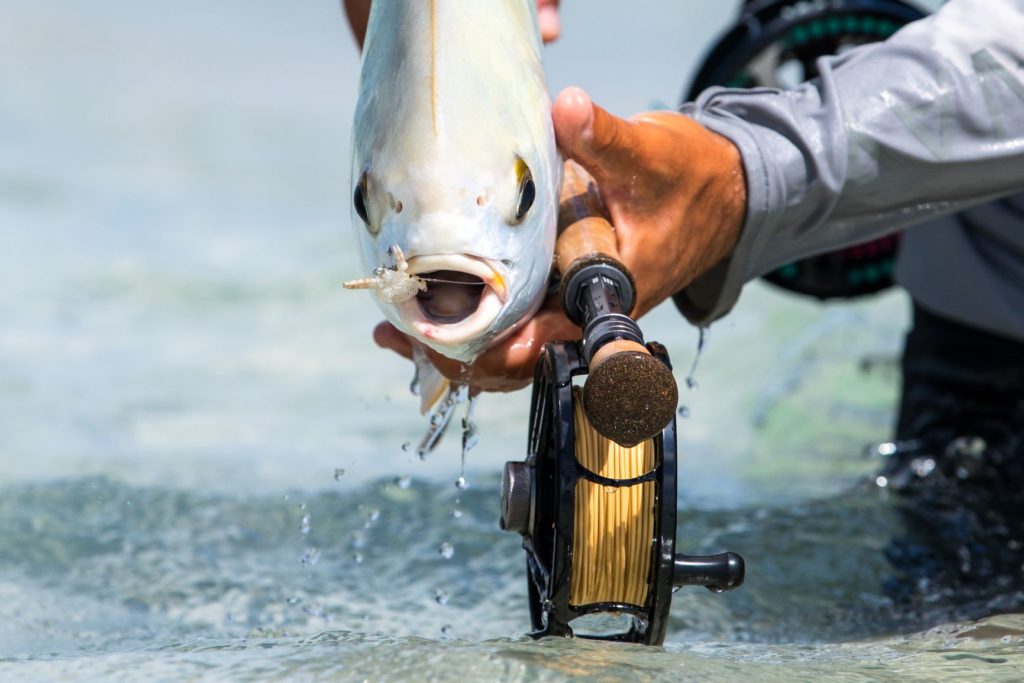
(474, 220)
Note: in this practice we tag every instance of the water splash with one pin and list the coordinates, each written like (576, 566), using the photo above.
(441, 418)
(691, 383)
(470, 438)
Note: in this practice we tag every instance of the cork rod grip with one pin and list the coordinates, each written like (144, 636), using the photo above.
(585, 231)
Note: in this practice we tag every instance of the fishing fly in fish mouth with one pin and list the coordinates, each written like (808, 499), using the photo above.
(455, 170)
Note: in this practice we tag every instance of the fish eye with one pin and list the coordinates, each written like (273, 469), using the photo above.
(359, 200)
(527, 190)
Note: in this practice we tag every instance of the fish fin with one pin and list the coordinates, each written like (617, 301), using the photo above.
(433, 386)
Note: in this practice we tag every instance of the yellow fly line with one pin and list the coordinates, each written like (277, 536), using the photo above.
(613, 529)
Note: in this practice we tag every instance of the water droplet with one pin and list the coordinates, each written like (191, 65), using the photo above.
(441, 418)
(675, 589)
(881, 482)
(610, 489)
(406, 446)
(457, 513)
(294, 600)
(886, 449)
(302, 506)
(310, 557)
(358, 538)
(446, 630)
(446, 550)
(373, 515)
(441, 596)
(403, 482)
(683, 412)
(414, 386)
(304, 525)
(339, 472)
(357, 558)
(691, 383)
(922, 466)
(285, 497)
(461, 483)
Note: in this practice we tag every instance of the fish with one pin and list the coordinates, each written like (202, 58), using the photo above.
(455, 171)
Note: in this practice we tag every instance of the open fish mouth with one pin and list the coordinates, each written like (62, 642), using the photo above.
(463, 296)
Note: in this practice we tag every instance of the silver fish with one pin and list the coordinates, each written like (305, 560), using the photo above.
(455, 172)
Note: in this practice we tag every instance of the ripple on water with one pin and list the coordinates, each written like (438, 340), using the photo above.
(146, 580)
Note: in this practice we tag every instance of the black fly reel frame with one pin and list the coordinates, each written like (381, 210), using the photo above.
(777, 44)
(595, 498)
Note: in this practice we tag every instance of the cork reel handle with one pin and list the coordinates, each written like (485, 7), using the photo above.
(629, 395)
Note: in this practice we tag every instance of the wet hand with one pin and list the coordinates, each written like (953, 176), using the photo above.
(675, 191)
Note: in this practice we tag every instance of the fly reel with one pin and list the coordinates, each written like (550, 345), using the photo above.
(595, 499)
(598, 520)
(776, 44)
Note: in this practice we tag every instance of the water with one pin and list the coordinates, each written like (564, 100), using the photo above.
(180, 373)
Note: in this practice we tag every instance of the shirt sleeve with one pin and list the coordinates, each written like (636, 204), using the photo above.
(926, 123)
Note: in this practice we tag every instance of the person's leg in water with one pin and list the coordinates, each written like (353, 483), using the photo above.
(959, 463)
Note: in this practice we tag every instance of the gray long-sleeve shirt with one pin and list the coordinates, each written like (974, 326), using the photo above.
(925, 124)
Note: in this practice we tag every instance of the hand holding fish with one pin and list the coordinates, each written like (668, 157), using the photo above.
(676, 194)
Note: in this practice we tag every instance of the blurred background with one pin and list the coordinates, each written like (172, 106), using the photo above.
(175, 222)
(199, 442)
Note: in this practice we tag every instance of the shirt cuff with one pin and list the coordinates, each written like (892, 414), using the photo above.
(713, 294)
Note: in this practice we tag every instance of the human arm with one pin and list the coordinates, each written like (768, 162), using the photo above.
(929, 122)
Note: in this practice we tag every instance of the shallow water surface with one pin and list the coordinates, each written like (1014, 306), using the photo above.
(203, 472)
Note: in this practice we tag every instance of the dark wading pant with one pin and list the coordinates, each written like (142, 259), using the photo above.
(960, 463)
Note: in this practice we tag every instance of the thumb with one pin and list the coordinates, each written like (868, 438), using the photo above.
(586, 133)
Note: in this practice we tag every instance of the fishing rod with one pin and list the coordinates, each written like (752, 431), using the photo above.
(595, 499)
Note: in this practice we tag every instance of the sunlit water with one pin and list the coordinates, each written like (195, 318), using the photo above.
(209, 471)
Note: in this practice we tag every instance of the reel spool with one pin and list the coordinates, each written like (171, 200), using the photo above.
(595, 499)
(776, 44)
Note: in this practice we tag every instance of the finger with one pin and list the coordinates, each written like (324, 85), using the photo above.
(387, 336)
(454, 370)
(548, 21)
(600, 142)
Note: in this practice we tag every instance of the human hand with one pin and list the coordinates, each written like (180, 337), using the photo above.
(674, 190)
(358, 13)
(676, 195)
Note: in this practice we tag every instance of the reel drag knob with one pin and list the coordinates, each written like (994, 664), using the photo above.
(516, 497)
